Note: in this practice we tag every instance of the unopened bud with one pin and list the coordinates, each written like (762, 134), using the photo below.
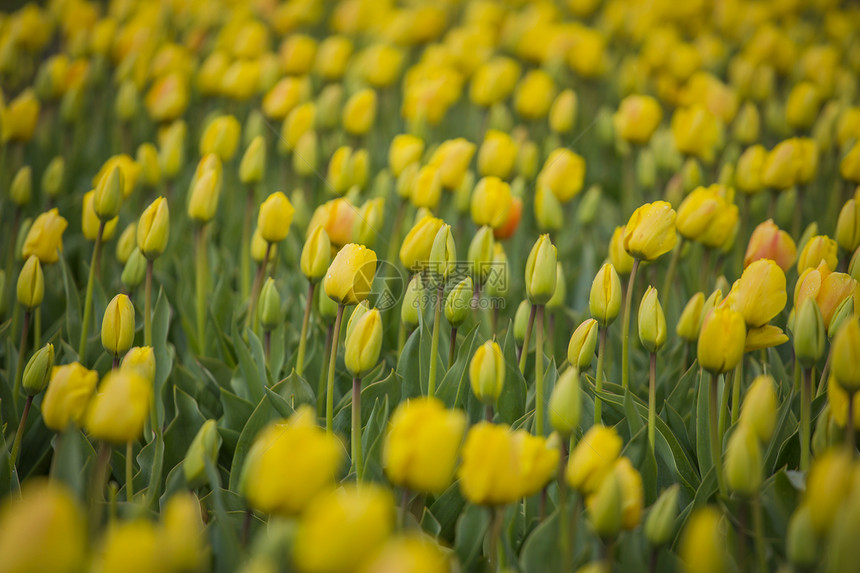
(204, 447)
(458, 303)
(580, 349)
(652, 321)
(269, 307)
(660, 523)
(37, 373)
(565, 402)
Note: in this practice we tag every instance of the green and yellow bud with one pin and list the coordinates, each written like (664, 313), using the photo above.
(108, 195)
(37, 373)
(31, 284)
(565, 402)
(253, 164)
(541, 274)
(153, 229)
(458, 304)
(844, 352)
(743, 463)
(721, 340)
(21, 188)
(269, 306)
(203, 200)
(809, 333)
(580, 349)
(204, 448)
(118, 325)
(443, 253)
(652, 321)
(275, 217)
(660, 523)
(691, 318)
(134, 270)
(141, 359)
(119, 408)
(487, 372)
(410, 308)
(604, 300)
(363, 343)
(316, 254)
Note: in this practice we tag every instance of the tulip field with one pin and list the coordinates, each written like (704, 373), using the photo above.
(410, 286)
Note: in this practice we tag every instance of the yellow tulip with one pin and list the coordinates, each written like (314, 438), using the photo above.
(650, 232)
(452, 159)
(118, 325)
(541, 275)
(703, 544)
(781, 166)
(297, 53)
(221, 137)
(827, 487)
(141, 359)
(691, 317)
(350, 274)
(409, 553)
(380, 64)
(620, 258)
(563, 173)
(182, 537)
(637, 118)
(487, 372)
(153, 229)
(415, 249)
(849, 167)
(497, 154)
(275, 216)
(337, 217)
(534, 95)
(405, 150)
(769, 242)
(721, 340)
(426, 188)
(135, 541)
(749, 169)
(491, 201)
(696, 132)
(494, 81)
(68, 395)
(253, 164)
(359, 112)
(759, 295)
(20, 117)
(652, 321)
(562, 114)
(45, 237)
(363, 343)
(119, 408)
(299, 121)
(760, 406)
(332, 57)
(846, 346)
(285, 95)
(203, 199)
(837, 398)
(422, 444)
(604, 301)
(801, 108)
(21, 188)
(593, 458)
(817, 249)
(168, 97)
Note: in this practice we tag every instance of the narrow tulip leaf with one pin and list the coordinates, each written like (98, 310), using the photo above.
(217, 371)
(776, 368)
(277, 352)
(785, 425)
(541, 551)
(455, 383)
(236, 411)
(263, 414)
(71, 450)
(182, 429)
(73, 305)
(471, 529)
(253, 379)
(154, 489)
(390, 386)
(634, 420)
(295, 390)
(512, 401)
(372, 439)
(446, 509)
(409, 367)
(430, 524)
(202, 388)
(640, 453)
(226, 543)
(163, 357)
(279, 403)
(703, 448)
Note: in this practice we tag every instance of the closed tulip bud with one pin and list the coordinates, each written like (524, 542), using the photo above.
(304, 159)
(696, 131)
(275, 217)
(107, 198)
(548, 210)
(703, 543)
(780, 167)
(589, 204)
(559, 297)
(406, 552)
(743, 469)
(37, 373)
(68, 395)
(20, 117)
(203, 200)
(759, 295)
(527, 159)
(21, 189)
(405, 150)
(359, 112)
(801, 108)
(422, 444)
(443, 253)
(500, 277)
(458, 304)
(562, 114)
(691, 174)
(593, 459)
(480, 254)
(818, 248)
(769, 242)
(452, 159)
(848, 226)
(809, 333)
(416, 246)
(130, 171)
(563, 173)
(343, 528)
(140, 359)
(652, 321)
(153, 229)
(541, 275)
(204, 448)
(604, 301)
(150, 167)
(691, 318)
(134, 270)
(746, 124)
(843, 312)
(534, 95)
(269, 307)
(646, 169)
(827, 486)
(90, 223)
(580, 349)
(698, 211)
(637, 118)
(487, 372)
(497, 154)
(618, 256)
(721, 340)
(837, 411)
(119, 408)
(849, 167)
(299, 121)
(118, 325)
(363, 344)
(413, 298)
(221, 137)
(253, 164)
(748, 172)
(52, 178)
(845, 349)
(350, 274)
(316, 254)
(491, 202)
(759, 408)
(605, 507)
(327, 308)
(660, 523)
(565, 402)
(127, 101)
(650, 232)
(171, 149)
(44, 239)
(800, 540)
(31, 284)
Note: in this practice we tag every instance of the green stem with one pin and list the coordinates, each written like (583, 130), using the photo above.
(434, 343)
(652, 399)
(758, 526)
(321, 385)
(19, 435)
(147, 306)
(357, 462)
(37, 331)
(598, 379)
(303, 340)
(452, 347)
(724, 403)
(401, 337)
(716, 447)
(97, 485)
(88, 297)
(539, 389)
(625, 325)
(251, 317)
(805, 407)
(404, 506)
(129, 471)
(673, 265)
(201, 272)
(495, 549)
(245, 256)
(332, 363)
(565, 541)
(19, 365)
(524, 349)
(736, 391)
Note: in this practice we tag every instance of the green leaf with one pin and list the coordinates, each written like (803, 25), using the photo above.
(73, 305)
(454, 384)
(279, 403)
(226, 543)
(390, 387)
(703, 449)
(163, 358)
(512, 401)
(471, 529)
(263, 414)
(446, 510)
(295, 390)
(253, 377)
(409, 367)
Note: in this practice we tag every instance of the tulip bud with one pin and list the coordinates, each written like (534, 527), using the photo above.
(327, 308)
(411, 306)
(487, 372)
(458, 304)
(801, 108)
(843, 312)
(769, 242)
(253, 164)
(120, 407)
(691, 318)
(363, 344)
(527, 159)
(500, 118)
(497, 155)
(650, 232)
(140, 359)
(660, 523)
(127, 101)
(818, 248)
(359, 112)
(521, 320)
(809, 335)
(269, 307)
(743, 467)
(443, 253)
(562, 114)
(646, 169)
(134, 270)
(652, 321)
(548, 210)
(153, 229)
(171, 152)
(37, 373)
(589, 204)
(31, 284)
(827, 486)
(404, 151)
(760, 408)
(800, 539)
(583, 341)
(845, 350)
(203, 200)
(604, 300)
(108, 195)
(565, 402)
(350, 274)
(541, 275)
(204, 447)
(848, 226)
(721, 340)
(221, 137)
(746, 124)
(118, 325)
(480, 254)
(275, 217)
(604, 507)
(563, 173)
(618, 256)
(369, 220)
(316, 255)
(491, 202)
(560, 295)
(150, 167)
(52, 178)
(703, 542)
(90, 222)
(21, 188)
